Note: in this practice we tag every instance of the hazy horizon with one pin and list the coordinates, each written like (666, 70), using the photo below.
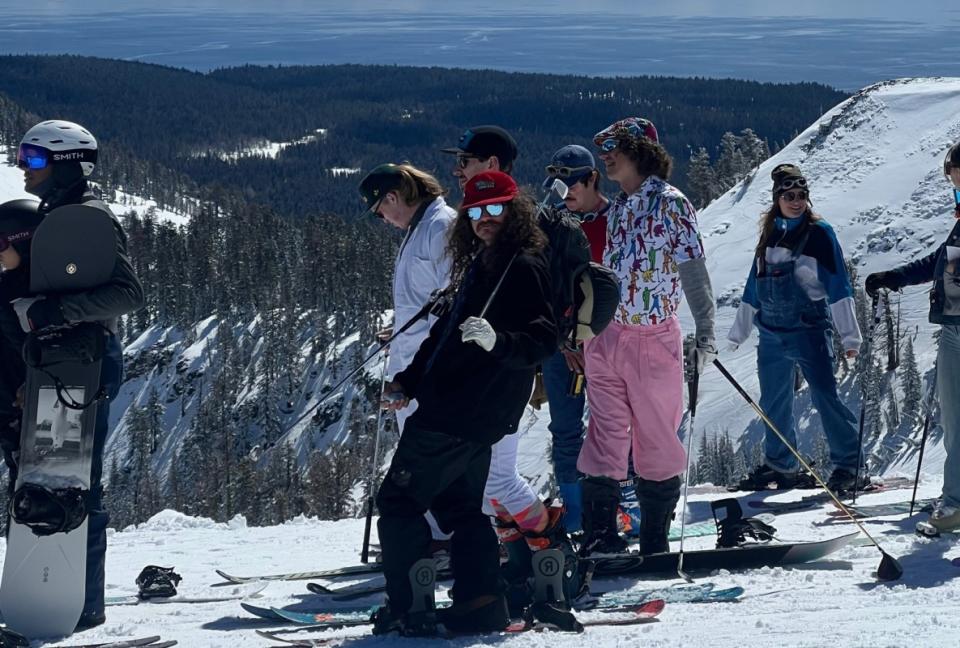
(806, 40)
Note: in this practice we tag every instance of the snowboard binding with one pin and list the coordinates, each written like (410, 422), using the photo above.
(733, 529)
(47, 511)
(11, 639)
(158, 582)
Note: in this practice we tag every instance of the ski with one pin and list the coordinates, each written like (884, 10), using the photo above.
(697, 593)
(745, 557)
(210, 595)
(353, 570)
(151, 642)
(891, 508)
(812, 501)
(632, 615)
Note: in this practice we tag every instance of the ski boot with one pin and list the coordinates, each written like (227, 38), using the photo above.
(845, 481)
(944, 519)
(601, 499)
(763, 477)
(420, 619)
(658, 503)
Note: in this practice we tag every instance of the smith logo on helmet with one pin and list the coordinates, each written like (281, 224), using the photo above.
(66, 157)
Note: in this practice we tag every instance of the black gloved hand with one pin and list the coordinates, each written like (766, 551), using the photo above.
(879, 280)
(45, 312)
(4, 243)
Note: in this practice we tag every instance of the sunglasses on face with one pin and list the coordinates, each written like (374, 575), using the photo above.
(476, 213)
(463, 161)
(790, 196)
(609, 144)
(29, 157)
(565, 172)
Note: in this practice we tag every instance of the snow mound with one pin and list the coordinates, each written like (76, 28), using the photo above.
(170, 520)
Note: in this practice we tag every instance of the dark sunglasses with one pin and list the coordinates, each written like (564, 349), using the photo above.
(565, 172)
(790, 183)
(790, 196)
(476, 213)
(29, 157)
(464, 160)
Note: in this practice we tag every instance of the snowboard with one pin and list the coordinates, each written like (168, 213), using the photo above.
(879, 510)
(44, 571)
(812, 501)
(750, 556)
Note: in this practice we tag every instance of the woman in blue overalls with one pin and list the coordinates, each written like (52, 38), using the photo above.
(798, 291)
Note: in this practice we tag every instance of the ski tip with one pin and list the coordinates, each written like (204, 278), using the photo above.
(651, 608)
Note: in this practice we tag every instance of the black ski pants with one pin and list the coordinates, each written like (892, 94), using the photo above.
(445, 474)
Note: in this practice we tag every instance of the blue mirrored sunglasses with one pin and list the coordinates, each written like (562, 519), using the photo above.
(29, 157)
(476, 213)
(609, 144)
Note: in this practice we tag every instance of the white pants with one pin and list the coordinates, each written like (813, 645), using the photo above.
(504, 483)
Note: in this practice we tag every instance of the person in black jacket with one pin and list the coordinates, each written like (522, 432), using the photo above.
(57, 157)
(472, 378)
(942, 267)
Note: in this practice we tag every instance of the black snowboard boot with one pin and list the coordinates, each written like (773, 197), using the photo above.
(763, 477)
(844, 481)
(658, 502)
(486, 613)
(601, 497)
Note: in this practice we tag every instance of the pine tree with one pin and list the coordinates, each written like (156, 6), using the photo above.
(702, 179)
(911, 385)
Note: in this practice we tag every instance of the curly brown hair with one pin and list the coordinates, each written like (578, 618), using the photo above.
(649, 157)
(520, 233)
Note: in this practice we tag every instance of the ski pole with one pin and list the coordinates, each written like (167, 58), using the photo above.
(868, 350)
(433, 301)
(927, 405)
(889, 568)
(374, 469)
(561, 190)
(692, 386)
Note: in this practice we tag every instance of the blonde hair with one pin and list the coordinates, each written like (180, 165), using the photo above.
(416, 185)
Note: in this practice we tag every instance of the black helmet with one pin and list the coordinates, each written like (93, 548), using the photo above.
(18, 220)
(952, 159)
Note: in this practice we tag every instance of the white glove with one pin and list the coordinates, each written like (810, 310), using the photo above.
(477, 329)
(703, 353)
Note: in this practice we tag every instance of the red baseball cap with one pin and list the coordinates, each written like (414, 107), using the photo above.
(487, 188)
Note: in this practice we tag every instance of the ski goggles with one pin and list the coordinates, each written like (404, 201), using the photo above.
(790, 183)
(565, 171)
(790, 196)
(476, 213)
(32, 157)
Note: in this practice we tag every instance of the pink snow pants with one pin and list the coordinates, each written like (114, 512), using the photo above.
(635, 390)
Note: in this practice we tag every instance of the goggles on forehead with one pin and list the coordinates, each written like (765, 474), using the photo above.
(565, 171)
(476, 213)
(32, 157)
(790, 183)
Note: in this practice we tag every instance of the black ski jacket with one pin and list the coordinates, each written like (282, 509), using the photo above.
(470, 393)
(121, 295)
(929, 268)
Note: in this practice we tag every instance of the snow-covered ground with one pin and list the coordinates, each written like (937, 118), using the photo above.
(835, 602)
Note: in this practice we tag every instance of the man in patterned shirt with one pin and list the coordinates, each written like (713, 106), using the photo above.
(636, 365)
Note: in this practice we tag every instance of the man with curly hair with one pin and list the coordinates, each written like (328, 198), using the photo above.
(636, 365)
(471, 378)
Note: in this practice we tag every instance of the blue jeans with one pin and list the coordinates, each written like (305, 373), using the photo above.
(948, 392)
(111, 375)
(812, 350)
(566, 418)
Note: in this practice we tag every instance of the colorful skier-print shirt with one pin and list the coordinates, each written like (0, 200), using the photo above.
(649, 233)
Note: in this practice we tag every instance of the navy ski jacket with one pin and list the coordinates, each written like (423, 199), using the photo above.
(929, 268)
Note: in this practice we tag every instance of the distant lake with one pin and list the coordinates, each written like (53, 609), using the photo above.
(842, 52)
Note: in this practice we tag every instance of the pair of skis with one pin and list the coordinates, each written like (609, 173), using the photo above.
(345, 616)
(146, 642)
(208, 595)
(619, 615)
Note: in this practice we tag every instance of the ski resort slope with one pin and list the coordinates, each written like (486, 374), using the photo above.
(836, 602)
